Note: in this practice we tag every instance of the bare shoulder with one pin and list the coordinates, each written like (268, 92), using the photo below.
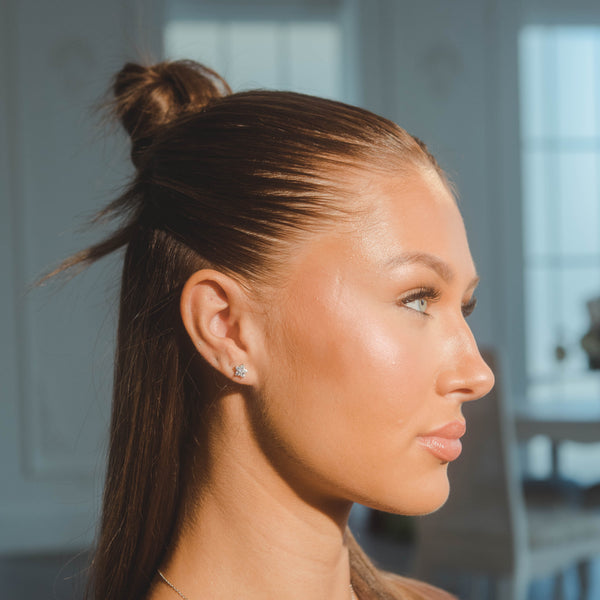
(416, 590)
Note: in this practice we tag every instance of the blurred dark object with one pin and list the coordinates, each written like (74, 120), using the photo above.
(395, 527)
(591, 497)
(560, 353)
(591, 340)
(557, 491)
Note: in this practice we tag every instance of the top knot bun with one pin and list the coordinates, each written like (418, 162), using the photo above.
(148, 97)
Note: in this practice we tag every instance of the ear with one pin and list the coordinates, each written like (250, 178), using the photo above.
(217, 315)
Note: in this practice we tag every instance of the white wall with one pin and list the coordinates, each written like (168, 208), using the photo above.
(55, 168)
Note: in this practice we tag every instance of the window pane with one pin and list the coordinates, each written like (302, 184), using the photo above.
(576, 48)
(556, 315)
(276, 52)
(560, 83)
(541, 318)
(255, 54)
(195, 40)
(579, 212)
(538, 208)
(315, 50)
(578, 285)
(533, 108)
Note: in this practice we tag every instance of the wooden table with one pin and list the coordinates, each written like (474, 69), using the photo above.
(559, 422)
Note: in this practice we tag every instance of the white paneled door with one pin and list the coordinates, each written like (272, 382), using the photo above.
(56, 169)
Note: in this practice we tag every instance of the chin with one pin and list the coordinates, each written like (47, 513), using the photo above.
(418, 499)
(424, 508)
(434, 499)
(432, 507)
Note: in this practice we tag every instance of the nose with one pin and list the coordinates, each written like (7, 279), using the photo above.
(465, 375)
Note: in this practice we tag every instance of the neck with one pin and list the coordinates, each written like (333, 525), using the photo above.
(252, 531)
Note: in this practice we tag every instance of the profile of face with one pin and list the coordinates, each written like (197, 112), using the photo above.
(369, 358)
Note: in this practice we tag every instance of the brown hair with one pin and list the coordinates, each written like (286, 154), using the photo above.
(228, 181)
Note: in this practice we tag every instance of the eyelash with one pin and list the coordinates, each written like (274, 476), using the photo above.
(431, 294)
(469, 307)
(424, 293)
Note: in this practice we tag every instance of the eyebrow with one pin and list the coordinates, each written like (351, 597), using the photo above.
(443, 269)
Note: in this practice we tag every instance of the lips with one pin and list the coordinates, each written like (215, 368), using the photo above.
(444, 443)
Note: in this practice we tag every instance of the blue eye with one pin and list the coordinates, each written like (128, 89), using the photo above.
(420, 304)
(420, 299)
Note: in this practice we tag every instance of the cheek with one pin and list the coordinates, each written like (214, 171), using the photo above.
(392, 349)
(349, 390)
(376, 355)
(354, 369)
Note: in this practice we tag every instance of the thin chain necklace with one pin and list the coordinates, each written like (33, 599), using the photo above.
(186, 598)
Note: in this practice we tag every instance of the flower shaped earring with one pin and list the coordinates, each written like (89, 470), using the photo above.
(240, 371)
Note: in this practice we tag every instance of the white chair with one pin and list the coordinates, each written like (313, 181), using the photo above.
(486, 528)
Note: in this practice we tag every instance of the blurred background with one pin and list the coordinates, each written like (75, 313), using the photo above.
(506, 93)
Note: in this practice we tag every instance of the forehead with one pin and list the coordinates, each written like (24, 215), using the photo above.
(395, 218)
(413, 212)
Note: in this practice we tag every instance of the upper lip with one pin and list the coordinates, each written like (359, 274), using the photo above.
(453, 430)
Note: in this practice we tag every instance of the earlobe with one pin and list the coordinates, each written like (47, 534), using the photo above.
(214, 310)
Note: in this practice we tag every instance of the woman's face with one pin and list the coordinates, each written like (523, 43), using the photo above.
(370, 358)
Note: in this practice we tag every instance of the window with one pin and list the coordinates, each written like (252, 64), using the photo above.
(560, 149)
(287, 47)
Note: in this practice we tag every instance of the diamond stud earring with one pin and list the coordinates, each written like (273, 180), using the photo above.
(240, 371)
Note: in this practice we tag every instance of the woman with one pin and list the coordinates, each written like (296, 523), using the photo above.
(292, 340)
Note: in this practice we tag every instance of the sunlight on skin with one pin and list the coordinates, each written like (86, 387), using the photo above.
(368, 353)
(362, 374)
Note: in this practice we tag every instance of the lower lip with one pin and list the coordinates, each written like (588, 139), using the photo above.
(446, 449)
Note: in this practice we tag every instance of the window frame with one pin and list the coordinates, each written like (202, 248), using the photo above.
(505, 177)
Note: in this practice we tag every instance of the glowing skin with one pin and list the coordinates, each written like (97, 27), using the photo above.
(353, 393)
(360, 376)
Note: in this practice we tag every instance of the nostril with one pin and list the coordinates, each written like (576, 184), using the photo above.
(466, 391)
